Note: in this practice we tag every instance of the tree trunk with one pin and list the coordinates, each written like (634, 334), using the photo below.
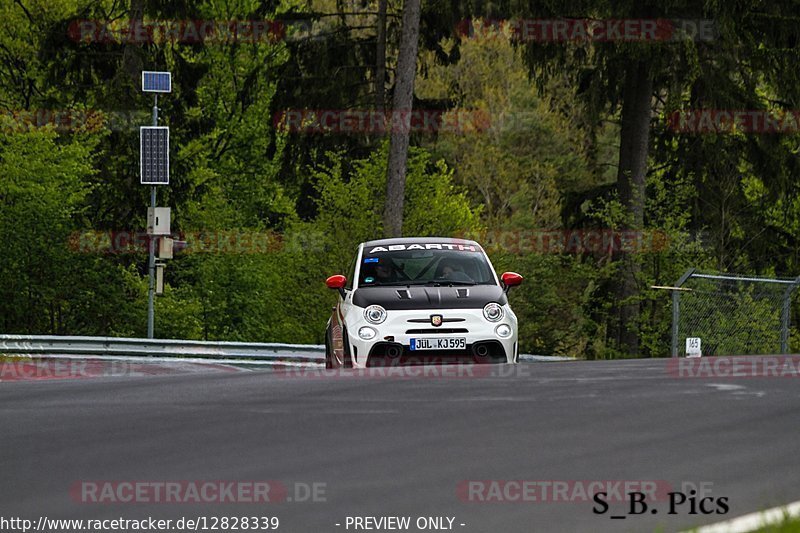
(130, 72)
(400, 122)
(633, 150)
(380, 58)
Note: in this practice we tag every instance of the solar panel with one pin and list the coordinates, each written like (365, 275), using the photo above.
(156, 82)
(154, 155)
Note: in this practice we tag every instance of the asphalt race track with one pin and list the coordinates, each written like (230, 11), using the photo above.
(404, 446)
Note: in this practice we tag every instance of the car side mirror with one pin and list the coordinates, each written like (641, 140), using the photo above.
(337, 282)
(510, 279)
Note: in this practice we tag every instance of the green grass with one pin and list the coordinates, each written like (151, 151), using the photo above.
(788, 525)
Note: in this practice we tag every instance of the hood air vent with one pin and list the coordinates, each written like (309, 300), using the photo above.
(403, 294)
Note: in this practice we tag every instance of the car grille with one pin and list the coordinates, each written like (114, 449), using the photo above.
(404, 356)
(428, 320)
(425, 331)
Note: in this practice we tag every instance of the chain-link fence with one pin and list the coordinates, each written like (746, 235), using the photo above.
(731, 314)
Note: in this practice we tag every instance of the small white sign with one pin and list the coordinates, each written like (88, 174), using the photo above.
(693, 347)
(160, 278)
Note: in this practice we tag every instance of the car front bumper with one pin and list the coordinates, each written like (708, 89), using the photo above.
(391, 344)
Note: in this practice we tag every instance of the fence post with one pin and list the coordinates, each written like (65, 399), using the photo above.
(676, 313)
(786, 314)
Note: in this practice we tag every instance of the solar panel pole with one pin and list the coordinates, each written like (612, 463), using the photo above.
(152, 259)
(154, 171)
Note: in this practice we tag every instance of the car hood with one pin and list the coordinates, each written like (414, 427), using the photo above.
(430, 297)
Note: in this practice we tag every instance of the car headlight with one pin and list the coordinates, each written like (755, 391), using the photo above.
(375, 314)
(367, 333)
(492, 312)
(503, 331)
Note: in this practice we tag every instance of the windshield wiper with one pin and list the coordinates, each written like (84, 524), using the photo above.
(449, 282)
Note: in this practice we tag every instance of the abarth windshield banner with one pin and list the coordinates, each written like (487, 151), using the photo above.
(423, 246)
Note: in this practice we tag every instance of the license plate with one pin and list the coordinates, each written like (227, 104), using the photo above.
(439, 343)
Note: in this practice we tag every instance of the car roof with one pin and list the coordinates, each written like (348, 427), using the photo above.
(421, 240)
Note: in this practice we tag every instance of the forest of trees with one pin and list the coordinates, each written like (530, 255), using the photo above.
(544, 149)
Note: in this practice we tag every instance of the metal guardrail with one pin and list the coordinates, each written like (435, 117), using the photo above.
(38, 345)
(88, 346)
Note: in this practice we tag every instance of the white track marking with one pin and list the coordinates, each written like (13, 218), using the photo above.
(753, 521)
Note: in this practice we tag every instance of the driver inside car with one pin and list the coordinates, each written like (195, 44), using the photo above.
(453, 272)
(385, 273)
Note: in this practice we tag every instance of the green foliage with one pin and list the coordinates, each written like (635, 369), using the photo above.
(228, 148)
(350, 206)
(552, 304)
(47, 287)
(510, 147)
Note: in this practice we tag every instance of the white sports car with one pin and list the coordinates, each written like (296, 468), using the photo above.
(424, 300)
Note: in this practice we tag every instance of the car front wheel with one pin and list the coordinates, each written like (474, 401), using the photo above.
(348, 360)
(328, 350)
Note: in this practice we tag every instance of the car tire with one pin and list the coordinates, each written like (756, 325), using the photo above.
(348, 360)
(328, 350)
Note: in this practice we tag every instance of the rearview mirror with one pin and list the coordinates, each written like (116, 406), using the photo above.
(336, 282)
(510, 279)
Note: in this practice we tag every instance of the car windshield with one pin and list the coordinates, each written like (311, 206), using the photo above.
(381, 267)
